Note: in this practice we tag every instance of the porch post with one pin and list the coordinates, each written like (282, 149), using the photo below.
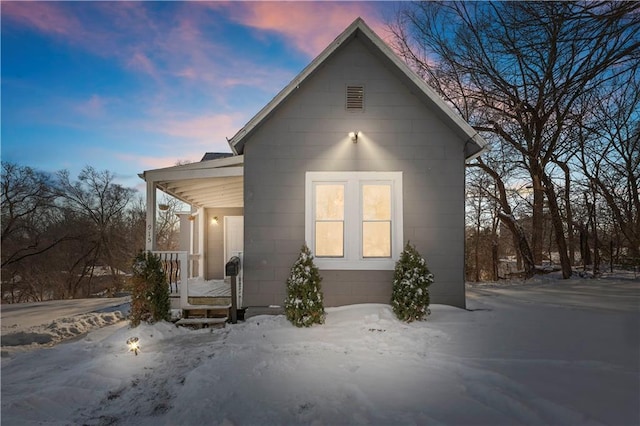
(202, 221)
(186, 239)
(150, 239)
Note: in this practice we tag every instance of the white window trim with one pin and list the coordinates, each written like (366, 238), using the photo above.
(353, 227)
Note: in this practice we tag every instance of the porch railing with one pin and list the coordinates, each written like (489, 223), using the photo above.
(176, 267)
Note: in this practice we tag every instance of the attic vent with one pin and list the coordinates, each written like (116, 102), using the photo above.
(355, 98)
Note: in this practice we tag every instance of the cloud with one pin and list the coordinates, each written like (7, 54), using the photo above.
(205, 128)
(308, 26)
(46, 17)
(139, 61)
(93, 107)
(186, 43)
(144, 162)
(197, 135)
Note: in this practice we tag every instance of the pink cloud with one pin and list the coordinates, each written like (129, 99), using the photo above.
(147, 162)
(139, 61)
(204, 129)
(107, 37)
(93, 107)
(44, 16)
(310, 26)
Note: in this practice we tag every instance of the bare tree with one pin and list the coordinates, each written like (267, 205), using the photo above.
(102, 202)
(28, 201)
(29, 213)
(517, 70)
(168, 228)
(482, 237)
(610, 158)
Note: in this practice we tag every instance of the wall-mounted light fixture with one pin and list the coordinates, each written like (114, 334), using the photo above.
(354, 136)
(214, 220)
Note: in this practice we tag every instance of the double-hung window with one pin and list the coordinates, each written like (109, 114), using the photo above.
(353, 220)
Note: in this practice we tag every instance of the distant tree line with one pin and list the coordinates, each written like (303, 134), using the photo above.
(555, 89)
(66, 238)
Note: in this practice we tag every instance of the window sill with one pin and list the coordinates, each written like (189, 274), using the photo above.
(358, 265)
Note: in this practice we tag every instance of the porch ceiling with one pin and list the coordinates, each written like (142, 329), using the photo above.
(211, 183)
(207, 192)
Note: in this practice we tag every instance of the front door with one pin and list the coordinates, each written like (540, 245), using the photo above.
(234, 244)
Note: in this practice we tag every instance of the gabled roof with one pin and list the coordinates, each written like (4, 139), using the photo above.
(474, 143)
(215, 155)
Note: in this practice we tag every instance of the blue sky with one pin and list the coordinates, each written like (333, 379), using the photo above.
(132, 86)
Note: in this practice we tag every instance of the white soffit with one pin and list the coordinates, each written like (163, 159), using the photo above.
(213, 183)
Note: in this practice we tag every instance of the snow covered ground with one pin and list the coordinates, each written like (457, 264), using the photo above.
(544, 353)
(27, 326)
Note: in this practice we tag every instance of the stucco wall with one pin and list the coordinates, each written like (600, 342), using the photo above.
(310, 133)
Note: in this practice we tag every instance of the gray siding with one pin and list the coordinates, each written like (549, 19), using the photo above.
(309, 132)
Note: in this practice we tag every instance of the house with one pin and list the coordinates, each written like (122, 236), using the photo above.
(355, 157)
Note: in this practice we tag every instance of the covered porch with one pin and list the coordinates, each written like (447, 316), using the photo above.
(211, 232)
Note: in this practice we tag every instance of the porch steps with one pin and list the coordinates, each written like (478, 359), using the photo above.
(209, 300)
(204, 315)
(202, 321)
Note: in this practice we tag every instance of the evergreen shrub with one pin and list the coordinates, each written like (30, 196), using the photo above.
(150, 291)
(304, 303)
(411, 281)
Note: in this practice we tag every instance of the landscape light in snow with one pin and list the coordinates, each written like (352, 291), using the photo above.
(134, 344)
(354, 136)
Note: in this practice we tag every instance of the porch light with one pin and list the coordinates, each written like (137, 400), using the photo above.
(354, 136)
(134, 345)
(214, 220)
(163, 207)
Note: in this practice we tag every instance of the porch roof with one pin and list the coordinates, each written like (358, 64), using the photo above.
(210, 183)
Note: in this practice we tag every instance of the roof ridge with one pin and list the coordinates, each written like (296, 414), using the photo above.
(360, 25)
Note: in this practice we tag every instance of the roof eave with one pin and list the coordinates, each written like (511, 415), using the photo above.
(237, 161)
(237, 141)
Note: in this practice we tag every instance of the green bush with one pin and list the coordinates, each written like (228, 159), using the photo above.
(150, 291)
(411, 281)
(304, 306)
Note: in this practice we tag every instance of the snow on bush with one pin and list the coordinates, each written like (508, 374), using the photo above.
(150, 292)
(411, 281)
(304, 304)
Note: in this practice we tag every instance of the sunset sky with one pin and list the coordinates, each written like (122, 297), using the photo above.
(132, 86)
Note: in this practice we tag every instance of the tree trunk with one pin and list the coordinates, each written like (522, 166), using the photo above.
(537, 219)
(596, 248)
(585, 252)
(556, 220)
(477, 249)
(518, 255)
(506, 216)
(568, 211)
(494, 250)
(522, 243)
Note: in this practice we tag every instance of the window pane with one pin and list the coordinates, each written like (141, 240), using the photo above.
(329, 202)
(376, 239)
(329, 239)
(376, 202)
